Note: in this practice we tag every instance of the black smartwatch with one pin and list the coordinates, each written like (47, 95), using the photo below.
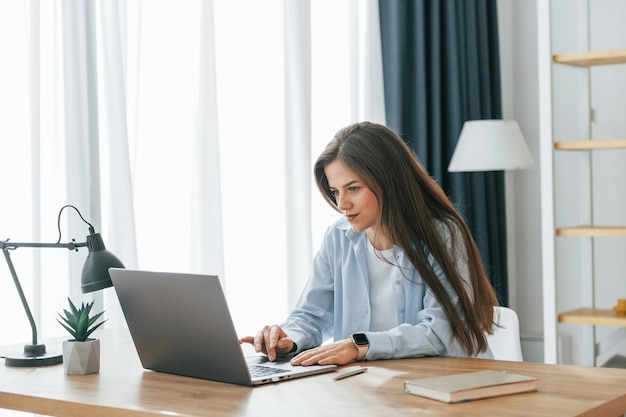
(362, 345)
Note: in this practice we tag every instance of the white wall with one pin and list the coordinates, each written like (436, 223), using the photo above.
(518, 50)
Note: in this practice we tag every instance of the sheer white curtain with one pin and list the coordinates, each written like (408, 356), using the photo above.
(184, 131)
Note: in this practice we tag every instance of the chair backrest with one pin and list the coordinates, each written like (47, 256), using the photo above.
(505, 341)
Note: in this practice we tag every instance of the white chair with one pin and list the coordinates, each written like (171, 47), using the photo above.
(505, 341)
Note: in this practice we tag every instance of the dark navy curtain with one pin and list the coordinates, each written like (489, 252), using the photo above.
(441, 68)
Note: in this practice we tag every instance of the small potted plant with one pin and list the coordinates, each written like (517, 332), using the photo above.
(81, 354)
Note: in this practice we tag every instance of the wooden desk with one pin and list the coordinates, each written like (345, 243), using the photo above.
(124, 388)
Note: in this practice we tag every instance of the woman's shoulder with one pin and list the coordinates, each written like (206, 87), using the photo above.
(446, 228)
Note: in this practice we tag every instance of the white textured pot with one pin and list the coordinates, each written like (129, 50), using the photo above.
(81, 358)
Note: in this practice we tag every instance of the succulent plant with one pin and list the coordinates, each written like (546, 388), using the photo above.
(78, 322)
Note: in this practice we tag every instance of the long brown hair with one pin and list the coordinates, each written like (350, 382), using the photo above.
(413, 209)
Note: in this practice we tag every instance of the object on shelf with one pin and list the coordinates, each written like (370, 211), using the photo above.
(620, 308)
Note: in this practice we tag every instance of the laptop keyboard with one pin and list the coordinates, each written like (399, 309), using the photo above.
(259, 371)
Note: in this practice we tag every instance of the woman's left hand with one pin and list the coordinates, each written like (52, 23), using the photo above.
(337, 353)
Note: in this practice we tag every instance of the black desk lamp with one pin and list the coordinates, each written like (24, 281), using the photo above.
(95, 276)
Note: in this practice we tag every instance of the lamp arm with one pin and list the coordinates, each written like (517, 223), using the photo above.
(21, 293)
(6, 246)
(73, 245)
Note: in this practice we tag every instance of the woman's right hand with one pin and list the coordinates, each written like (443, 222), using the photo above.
(271, 340)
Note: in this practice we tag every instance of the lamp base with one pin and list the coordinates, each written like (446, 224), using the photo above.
(33, 356)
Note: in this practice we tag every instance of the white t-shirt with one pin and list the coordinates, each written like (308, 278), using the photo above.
(383, 302)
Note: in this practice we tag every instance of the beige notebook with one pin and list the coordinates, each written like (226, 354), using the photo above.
(470, 386)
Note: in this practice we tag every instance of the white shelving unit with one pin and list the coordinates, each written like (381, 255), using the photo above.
(590, 314)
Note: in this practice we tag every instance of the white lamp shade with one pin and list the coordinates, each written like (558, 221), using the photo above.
(490, 145)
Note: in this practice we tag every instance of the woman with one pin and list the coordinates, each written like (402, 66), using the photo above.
(399, 275)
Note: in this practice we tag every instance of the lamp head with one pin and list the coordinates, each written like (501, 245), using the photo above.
(95, 275)
(490, 145)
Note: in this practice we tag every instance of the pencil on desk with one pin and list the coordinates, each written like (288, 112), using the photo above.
(350, 373)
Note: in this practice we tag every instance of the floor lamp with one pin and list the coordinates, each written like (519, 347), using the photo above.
(94, 276)
(492, 145)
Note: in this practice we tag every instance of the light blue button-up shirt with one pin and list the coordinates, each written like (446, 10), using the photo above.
(336, 303)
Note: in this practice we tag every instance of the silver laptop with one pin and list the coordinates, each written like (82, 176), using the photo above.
(180, 324)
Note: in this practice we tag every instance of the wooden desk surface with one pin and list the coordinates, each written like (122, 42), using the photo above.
(124, 388)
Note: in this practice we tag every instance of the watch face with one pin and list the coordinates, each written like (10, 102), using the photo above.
(360, 339)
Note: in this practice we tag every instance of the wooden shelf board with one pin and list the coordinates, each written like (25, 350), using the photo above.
(589, 145)
(591, 231)
(594, 316)
(591, 58)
